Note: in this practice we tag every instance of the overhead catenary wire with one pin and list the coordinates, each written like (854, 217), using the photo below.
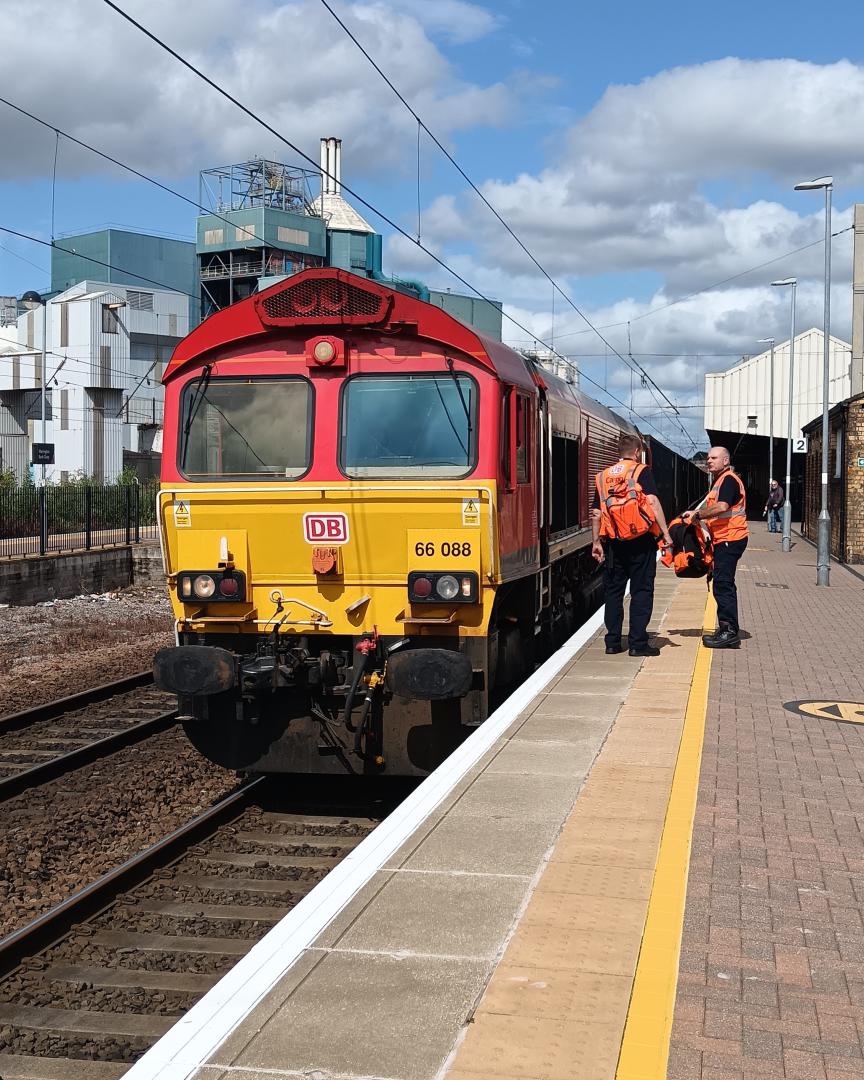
(169, 190)
(192, 202)
(708, 288)
(556, 286)
(29, 262)
(90, 258)
(58, 132)
(38, 240)
(113, 161)
(354, 194)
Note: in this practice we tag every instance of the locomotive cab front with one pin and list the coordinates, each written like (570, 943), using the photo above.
(335, 463)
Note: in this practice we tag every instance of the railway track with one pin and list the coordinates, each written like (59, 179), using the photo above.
(46, 742)
(89, 986)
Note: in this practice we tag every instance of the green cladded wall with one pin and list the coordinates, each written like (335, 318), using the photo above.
(483, 315)
(135, 259)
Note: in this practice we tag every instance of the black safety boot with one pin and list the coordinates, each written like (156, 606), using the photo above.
(644, 650)
(612, 649)
(724, 638)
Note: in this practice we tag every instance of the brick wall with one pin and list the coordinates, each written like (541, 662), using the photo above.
(854, 482)
(845, 492)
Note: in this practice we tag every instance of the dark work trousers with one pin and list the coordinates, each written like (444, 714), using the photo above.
(634, 561)
(726, 556)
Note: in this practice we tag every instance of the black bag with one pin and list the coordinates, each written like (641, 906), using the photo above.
(692, 552)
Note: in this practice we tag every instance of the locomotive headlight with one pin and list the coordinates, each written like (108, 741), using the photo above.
(447, 587)
(324, 351)
(214, 586)
(204, 586)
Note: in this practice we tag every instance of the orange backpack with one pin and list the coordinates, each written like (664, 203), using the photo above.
(692, 551)
(625, 512)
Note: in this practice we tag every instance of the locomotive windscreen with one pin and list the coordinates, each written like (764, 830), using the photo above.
(408, 426)
(253, 428)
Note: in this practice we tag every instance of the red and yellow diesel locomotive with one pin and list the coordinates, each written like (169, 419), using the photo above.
(370, 514)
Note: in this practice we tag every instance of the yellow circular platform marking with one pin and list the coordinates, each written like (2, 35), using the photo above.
(850, 712)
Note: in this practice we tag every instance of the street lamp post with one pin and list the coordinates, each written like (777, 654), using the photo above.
(770, 341)
(32, 300)
(787, 504)
(823, 535)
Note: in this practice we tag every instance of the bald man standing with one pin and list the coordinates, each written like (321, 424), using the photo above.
(725, 515)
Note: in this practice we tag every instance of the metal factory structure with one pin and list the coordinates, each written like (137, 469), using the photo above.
(110, 328)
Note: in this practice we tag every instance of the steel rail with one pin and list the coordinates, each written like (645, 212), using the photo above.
(59, 766)
(53, 709)
(52, 925)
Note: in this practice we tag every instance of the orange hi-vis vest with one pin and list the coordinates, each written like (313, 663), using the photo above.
(625, 512)
(732, 523)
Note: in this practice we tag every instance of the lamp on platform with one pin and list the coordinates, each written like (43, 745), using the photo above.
(787, 505)
(823, 535)
(770, 341)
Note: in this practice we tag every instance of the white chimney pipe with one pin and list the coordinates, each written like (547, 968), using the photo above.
(331, 166)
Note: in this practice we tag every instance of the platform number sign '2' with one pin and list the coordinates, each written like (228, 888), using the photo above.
(799, 445)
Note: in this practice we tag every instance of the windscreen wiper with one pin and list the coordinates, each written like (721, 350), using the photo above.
(194, 405)
(449, 361)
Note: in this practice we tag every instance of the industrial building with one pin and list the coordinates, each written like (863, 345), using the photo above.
(126, 257)
(105, 346)
(262, 226)
(110, 328)
(743, 412)
(265, 225)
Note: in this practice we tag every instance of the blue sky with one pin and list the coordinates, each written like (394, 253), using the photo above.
(641, 151)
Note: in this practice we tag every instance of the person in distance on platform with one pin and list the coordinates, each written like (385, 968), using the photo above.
(773, 505)
(724, 512)
(628, 516)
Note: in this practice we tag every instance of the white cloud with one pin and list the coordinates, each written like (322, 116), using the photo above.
(676, 343)
(454, 20)
(650, 182)
(629, 189)
(100, 79)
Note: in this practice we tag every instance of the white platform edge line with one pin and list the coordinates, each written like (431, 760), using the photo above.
(193, 1040)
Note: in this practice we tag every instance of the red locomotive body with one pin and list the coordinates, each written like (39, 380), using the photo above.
(373, 475)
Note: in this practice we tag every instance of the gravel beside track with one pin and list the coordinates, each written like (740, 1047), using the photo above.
(46, 743)
(61, 647)
(141, 962)
(59, 838)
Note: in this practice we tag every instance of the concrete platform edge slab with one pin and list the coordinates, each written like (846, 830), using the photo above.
(193, 1041)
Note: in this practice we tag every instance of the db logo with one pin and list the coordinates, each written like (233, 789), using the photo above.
(325, 528)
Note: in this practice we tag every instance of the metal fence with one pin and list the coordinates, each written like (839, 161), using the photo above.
(35, 521)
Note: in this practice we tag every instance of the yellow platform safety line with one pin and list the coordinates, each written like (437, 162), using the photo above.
(645, 1046)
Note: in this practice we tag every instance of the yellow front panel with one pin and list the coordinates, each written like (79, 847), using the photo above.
(382, 531)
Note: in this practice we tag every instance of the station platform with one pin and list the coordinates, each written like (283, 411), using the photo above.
(523, 913)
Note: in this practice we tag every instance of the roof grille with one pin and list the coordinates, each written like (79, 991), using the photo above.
(323, 300)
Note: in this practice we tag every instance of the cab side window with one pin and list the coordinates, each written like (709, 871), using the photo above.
(523, 440)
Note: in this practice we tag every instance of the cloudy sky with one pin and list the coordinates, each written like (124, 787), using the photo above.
(641, 152)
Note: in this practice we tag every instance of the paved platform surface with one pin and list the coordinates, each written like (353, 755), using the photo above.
(772, 963)
(397, 981)
(535, 925)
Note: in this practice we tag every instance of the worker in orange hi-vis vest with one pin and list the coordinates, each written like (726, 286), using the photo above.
(725, 515)
(626, 520)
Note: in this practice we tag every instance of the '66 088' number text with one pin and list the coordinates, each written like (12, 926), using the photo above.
(457, 549)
